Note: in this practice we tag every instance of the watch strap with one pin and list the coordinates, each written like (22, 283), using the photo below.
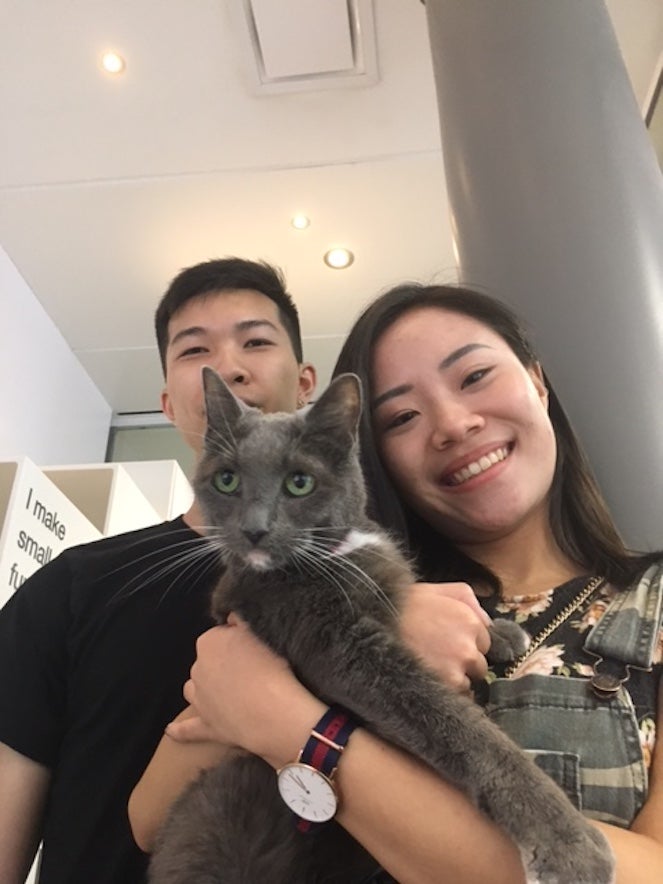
(324, 747)
(328, 739)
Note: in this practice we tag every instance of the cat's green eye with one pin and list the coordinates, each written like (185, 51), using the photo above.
(299, 484)
(226, 481)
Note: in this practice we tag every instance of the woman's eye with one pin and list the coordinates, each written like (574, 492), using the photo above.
(299, 484)
(474, 377)
(399, 420)
(226, 481)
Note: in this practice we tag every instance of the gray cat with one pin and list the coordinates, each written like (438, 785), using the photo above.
(285, 497)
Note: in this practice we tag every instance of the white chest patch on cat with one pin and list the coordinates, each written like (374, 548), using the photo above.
(355, 540)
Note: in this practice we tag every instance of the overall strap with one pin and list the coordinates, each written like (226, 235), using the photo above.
(627, 633)
(628, 630)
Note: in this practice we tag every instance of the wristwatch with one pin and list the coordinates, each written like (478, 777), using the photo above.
(307, 784)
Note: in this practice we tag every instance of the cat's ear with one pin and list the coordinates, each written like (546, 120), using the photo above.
(338, 409)
(222, 407)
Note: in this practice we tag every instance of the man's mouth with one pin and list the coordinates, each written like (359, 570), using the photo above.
(476, 467)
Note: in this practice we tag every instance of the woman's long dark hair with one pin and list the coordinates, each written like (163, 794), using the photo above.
(579, 516)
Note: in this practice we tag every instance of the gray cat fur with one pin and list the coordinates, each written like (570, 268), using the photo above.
(339, 631)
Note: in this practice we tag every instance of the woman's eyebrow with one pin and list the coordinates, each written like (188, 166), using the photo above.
(447, 362)
(459, 353)
(390, 394)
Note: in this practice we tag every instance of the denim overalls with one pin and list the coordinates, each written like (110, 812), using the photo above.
(584, 732)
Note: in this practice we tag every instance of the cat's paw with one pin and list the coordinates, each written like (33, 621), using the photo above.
(507, 641)
(588, 860)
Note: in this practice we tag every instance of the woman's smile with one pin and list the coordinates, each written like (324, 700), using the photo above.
(477, 466)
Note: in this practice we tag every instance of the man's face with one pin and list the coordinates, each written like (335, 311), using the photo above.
(238, 333)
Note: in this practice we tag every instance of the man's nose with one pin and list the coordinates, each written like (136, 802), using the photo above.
(231, 368)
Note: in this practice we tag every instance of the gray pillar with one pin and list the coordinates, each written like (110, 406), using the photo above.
(557, 207)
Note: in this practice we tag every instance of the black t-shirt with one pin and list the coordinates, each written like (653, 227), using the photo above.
(94, 650)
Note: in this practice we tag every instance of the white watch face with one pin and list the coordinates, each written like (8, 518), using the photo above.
(307, 792)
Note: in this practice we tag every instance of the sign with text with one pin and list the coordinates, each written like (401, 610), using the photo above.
(37, 522)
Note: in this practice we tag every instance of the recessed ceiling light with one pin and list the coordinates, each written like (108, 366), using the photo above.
(112, 63)
(300, 222)
(338, 258)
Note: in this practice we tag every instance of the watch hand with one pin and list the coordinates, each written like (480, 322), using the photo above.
(299, 782)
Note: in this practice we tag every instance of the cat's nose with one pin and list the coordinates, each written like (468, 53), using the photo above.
(255, 536)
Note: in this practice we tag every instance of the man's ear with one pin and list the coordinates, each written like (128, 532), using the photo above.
(538, 378)
(307, 382)
(166, 407)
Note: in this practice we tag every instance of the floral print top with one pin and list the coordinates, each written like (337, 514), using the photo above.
(562, 654)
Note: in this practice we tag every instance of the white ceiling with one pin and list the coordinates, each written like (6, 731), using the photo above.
(109, 186)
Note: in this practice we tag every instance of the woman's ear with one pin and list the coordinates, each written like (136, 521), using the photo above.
(538, 379)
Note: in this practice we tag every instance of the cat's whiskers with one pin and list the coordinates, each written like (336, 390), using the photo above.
(352, 570)
(197, 564)
(184, 554)
(371, 585)
(316, 564)
(223, 435)
(130, 562)
(217, 443)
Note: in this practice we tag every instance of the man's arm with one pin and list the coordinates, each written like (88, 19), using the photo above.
(172, 768)
(23, 786)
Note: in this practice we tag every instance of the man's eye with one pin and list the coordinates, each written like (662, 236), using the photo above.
(257, 342)
(193, 351)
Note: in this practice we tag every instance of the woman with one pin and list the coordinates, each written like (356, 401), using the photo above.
(468, 455)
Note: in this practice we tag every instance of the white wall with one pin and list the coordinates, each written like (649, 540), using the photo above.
(49, 408)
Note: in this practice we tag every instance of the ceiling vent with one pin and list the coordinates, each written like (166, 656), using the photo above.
(302, 45)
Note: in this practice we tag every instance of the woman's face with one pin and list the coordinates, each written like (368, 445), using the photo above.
(461, 425)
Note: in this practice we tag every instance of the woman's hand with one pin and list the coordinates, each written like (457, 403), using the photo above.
(246, 696)
(445, 626)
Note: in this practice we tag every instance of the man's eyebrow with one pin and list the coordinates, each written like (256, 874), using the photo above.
(248, 324)
(197, 331)
(447, 362)
(192, 332)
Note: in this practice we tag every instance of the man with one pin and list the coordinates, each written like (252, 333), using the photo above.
(95, 647)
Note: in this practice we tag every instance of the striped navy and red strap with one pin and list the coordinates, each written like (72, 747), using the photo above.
(324, 748)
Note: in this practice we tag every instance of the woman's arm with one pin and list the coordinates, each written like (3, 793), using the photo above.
(442, 623)
(639, 850)
(415, 824)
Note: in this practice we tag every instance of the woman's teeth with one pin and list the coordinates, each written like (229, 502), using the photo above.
(478, 466)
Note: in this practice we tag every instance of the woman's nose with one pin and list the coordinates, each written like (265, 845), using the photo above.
(453, 422)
